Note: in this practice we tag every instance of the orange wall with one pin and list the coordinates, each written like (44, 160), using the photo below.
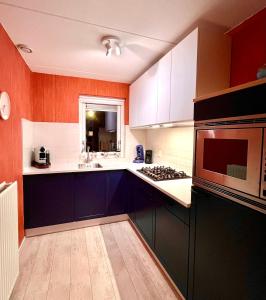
(14, 79)
(55, 98)
(248, 48)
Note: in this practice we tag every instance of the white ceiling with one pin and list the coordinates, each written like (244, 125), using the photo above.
(65, 34)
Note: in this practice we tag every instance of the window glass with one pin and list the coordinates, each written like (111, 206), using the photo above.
(226, 156)
(101, 130)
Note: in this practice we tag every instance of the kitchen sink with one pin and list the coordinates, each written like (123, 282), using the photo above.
(96, 165)
(89, 166)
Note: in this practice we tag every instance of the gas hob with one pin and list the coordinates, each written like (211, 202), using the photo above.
(162, 173)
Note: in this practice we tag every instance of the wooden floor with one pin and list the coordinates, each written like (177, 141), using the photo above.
(100, 262)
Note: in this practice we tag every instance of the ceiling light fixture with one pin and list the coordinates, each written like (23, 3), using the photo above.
(24, 48)
(108, 49)
(117, 49)
(111, 43)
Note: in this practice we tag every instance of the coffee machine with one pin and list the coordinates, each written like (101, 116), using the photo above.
(41, 158)
(140, 154)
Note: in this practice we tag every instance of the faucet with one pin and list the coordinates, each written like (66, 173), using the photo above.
(117, 154)
(89, 155)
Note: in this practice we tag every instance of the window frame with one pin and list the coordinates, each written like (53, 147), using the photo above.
(120, 103)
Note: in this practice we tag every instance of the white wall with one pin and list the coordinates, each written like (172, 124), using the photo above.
(172, 146)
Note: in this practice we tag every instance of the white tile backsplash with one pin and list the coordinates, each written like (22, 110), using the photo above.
(62, 140)
(171, 146)
(133, 137)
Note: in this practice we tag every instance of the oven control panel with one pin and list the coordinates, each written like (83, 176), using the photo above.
(263, 174)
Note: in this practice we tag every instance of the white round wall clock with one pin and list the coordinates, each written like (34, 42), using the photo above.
(5, 106)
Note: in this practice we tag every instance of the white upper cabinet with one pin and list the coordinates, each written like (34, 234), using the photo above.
(183, 78)
(148, 100)
(199, 64)
(164, 89)
(134, 102)
(143, 99)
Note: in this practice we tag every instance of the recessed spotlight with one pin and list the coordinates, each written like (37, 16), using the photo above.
(112, 45)
(24, 48)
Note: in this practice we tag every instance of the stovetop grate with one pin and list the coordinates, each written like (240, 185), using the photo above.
(162, 173)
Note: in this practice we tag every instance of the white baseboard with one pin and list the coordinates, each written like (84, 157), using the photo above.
(74, 225)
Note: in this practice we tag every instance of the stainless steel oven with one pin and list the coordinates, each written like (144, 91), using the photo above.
(230, 160)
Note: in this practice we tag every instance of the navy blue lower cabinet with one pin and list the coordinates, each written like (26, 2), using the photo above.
(230, 250)
(172, 245)
(132, 182)
(117, 192)
(142, 208)
(66, 197)
(90, 195)
(48, 199)
(145, 212)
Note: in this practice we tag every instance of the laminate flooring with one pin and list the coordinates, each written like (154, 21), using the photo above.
(100, 263)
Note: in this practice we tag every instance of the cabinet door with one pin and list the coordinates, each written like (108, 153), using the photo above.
(230, 247)
(164, 89)
(183, 78)
(131, 185)
(48, 199)
(148, 99)
(144, 211)
(171, 246)
(117, 193)
(134, 102)
(90, 195)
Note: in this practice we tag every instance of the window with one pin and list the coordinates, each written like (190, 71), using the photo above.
(101, 124)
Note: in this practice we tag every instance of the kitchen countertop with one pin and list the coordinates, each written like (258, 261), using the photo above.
(177, 189)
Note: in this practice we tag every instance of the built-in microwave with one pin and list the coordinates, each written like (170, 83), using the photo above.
(230, 144)
(232, 157)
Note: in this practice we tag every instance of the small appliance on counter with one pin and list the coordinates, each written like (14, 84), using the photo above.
(148, 157)
(140, 154)
(41, 158)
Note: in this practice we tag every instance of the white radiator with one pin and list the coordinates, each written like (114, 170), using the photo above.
(9, 255)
